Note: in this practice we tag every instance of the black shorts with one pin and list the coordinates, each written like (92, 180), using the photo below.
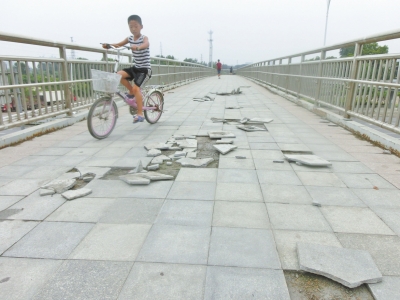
(138, 75)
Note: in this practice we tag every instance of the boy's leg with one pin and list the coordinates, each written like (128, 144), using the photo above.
(139, 99)
(125, 82)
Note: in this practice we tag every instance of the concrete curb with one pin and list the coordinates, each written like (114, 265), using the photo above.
(367, 133)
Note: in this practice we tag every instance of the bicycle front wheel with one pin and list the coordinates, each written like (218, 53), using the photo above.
(102, 117)
(154, 101)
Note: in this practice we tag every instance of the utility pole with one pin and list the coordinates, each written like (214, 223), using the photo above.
(211, 47)
(326, 20)
(72, 51)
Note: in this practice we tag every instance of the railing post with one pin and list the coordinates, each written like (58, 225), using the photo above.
(351, 86)
(288, 72)
(319, 81)
(300, 75)
(67, 92)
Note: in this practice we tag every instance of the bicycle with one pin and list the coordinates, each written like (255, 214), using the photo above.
(103, 114)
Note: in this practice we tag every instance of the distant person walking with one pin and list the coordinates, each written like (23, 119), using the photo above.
(219, 67)
(231, 71)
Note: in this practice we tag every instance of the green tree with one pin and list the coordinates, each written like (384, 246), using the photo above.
(367, 49)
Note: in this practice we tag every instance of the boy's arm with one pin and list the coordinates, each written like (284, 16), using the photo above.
(120, 44)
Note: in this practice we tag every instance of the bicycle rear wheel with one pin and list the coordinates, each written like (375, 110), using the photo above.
(102, 117)
(156, 101)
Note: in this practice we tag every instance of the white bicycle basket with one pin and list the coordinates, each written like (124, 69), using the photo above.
(105, 81)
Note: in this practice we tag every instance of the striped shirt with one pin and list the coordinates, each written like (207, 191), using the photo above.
(142, 57)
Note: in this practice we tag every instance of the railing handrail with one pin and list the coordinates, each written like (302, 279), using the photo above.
(384, 36)
(15, 38)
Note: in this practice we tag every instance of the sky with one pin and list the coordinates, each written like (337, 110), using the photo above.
(243, 31)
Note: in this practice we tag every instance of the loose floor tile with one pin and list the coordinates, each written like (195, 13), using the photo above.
(245, 283)
(176, 244)
(286, 242)
(83, 279)
(242, 247)
(164, 281)
(347, 266)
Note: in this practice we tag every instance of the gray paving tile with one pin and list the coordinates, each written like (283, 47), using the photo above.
(197, 174)
(12, 231)
(384, 249)
(389, 215)
(388, 289)
(54, 151)
(273, 177)
(20, 187)
(46, 172)
(50, 240)
(243, 247)
(7, 201)
(33, 207)
(234, 163)
(336, 156)
(283, 193)
(117, 242)
(384, 197)
(270, 145)
(164, 281)
(238, 192)
(129, 211)
(192, 190)
(334, 196)
(265, 164)
(84, 210)
(350, 167)
(119, 189)
(239, 176)
(286, 242)
(13, 171)
(297, 217)
(186, 212)
(35, 160)
(22, 278)
(83, 279)
(267, 154)
(320, 179)
(245, 283)
(240, 214)
(176, 244)
(365, 181)
(355, 220)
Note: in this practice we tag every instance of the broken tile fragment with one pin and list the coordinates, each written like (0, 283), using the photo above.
(180, 154)
(191, 155)
(244, 120)
(316, 203)
(300, 148)
(195, 163)
(154, 176)
(73, 194)
(278, 161)
(153, 153)
(349, 267)
(187, 143)
(46, 192)
(250, 128)
(308, 159)
(138, 169)
(157, 160)
(153, 167)
(224, 148)
(225, 141)
(259, 120)
(240, 157)
(179, 137)
(60, 186)
(169, 163)
(134, 179)
(220, 134)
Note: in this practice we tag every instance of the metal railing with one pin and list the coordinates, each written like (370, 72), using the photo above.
(36, 88)
(363, 86)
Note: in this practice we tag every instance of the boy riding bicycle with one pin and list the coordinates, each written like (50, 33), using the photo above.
(141, 53)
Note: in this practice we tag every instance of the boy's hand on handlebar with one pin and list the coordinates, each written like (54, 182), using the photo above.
(106, 46)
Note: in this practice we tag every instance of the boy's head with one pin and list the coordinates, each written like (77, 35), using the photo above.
(135, 24)
(218, 60)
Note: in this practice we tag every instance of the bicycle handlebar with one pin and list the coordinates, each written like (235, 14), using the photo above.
(109, 46)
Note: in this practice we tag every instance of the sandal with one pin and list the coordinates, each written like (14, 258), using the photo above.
(137, 118)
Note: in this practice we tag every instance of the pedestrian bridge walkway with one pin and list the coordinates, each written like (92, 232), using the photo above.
(226, 232)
